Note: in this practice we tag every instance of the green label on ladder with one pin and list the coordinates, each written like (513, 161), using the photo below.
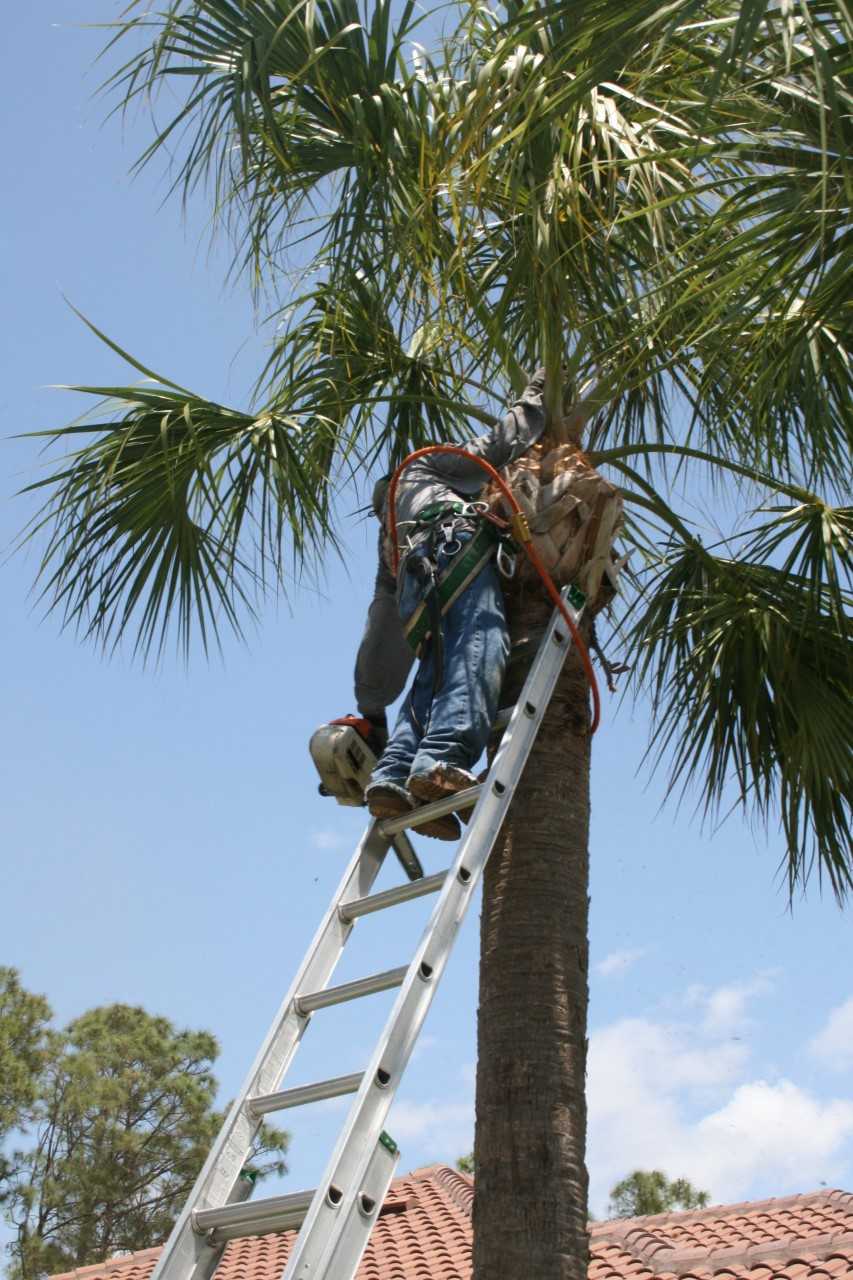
(388, 1142)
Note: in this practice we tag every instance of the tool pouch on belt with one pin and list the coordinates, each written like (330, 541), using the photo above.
(460, 572)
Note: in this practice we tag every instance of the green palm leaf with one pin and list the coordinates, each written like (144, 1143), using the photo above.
(748, 660)
(179, 511)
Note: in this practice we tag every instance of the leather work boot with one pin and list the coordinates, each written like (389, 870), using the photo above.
(443, 780)
(387, 800)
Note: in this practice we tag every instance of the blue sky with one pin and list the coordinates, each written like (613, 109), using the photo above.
(162, 839)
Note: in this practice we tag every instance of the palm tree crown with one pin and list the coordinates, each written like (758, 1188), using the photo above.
(653, 199)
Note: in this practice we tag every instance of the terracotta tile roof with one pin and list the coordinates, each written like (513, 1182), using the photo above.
(424, 1233)
(792, 1238)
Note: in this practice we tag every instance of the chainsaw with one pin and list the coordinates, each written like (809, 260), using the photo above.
(343, 754)
(344, 758)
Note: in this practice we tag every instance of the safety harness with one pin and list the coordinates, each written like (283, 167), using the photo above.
(520, 536)
(435, 538)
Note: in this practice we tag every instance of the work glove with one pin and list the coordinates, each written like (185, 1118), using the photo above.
(377, 738)
(373, 728)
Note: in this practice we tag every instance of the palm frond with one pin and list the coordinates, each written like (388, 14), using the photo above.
(697, 225)
(748, 666)
(811, 40)
(341, 357)
(179, 514)
(289, 103)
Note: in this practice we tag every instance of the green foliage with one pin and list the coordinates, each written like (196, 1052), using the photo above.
(654, 200)
(650, 1191)
(749, 666)
(465, 1164)
(123, 1123)
(267, 1156)
(24, 1040)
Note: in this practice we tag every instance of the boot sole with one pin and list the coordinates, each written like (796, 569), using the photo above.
(446, 828)
(389, 805)
(425, 791)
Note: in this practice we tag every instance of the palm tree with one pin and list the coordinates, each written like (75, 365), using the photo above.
(654, 200)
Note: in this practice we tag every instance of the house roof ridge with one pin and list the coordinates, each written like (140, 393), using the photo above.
(619, 1228)
(424, 1171)
(117, 1260)
(458, 1185)
(421, 1171)
(846, 1196)
(706, 1263)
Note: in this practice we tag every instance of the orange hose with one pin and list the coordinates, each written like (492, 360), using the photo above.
(520, 532)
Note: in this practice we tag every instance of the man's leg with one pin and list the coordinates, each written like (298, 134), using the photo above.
(476, 646)
(396, 760)
(386, 793)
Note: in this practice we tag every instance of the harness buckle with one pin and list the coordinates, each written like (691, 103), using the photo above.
(448, 530)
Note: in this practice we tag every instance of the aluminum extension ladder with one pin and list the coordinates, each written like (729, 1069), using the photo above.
(336, 1219)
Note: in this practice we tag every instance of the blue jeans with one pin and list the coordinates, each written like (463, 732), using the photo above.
(451, 726)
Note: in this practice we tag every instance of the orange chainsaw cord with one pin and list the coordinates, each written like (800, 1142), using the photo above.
(521, 533)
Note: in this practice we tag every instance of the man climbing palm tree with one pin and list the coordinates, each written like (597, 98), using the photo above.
(448, 597)
(663, 189)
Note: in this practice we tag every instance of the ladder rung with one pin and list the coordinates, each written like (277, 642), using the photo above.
(264, 1103)
(255, 1218)
(435, 809)
(350, 990)
(390, 897)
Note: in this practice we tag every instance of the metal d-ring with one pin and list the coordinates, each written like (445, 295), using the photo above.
(451, 542)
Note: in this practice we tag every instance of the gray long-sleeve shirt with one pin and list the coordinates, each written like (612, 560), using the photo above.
(384, 658)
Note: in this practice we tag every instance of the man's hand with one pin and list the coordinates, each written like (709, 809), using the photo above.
(377, 739)
(373, 728)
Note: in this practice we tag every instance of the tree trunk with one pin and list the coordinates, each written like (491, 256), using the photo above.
(530, 1202)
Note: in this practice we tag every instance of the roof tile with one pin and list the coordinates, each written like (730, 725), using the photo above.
(424, 1233)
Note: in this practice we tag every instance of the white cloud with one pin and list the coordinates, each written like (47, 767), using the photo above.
(328, 839)
(780, 1128)
(662, 1096)
(619, 961)
(634, 1052)
(726, 1006)
(682, 1096)
(433, 1130)
(834, 1042)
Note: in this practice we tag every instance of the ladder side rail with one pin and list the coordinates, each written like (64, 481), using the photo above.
(364, 1210)
(317, 1242)
(186, 1254)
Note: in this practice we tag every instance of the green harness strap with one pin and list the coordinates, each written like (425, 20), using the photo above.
(432, 511)
(461, 571)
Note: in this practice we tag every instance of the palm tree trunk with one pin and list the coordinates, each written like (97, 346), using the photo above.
(530, 1202)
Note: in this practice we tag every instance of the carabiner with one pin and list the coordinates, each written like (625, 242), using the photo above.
(505, 561)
